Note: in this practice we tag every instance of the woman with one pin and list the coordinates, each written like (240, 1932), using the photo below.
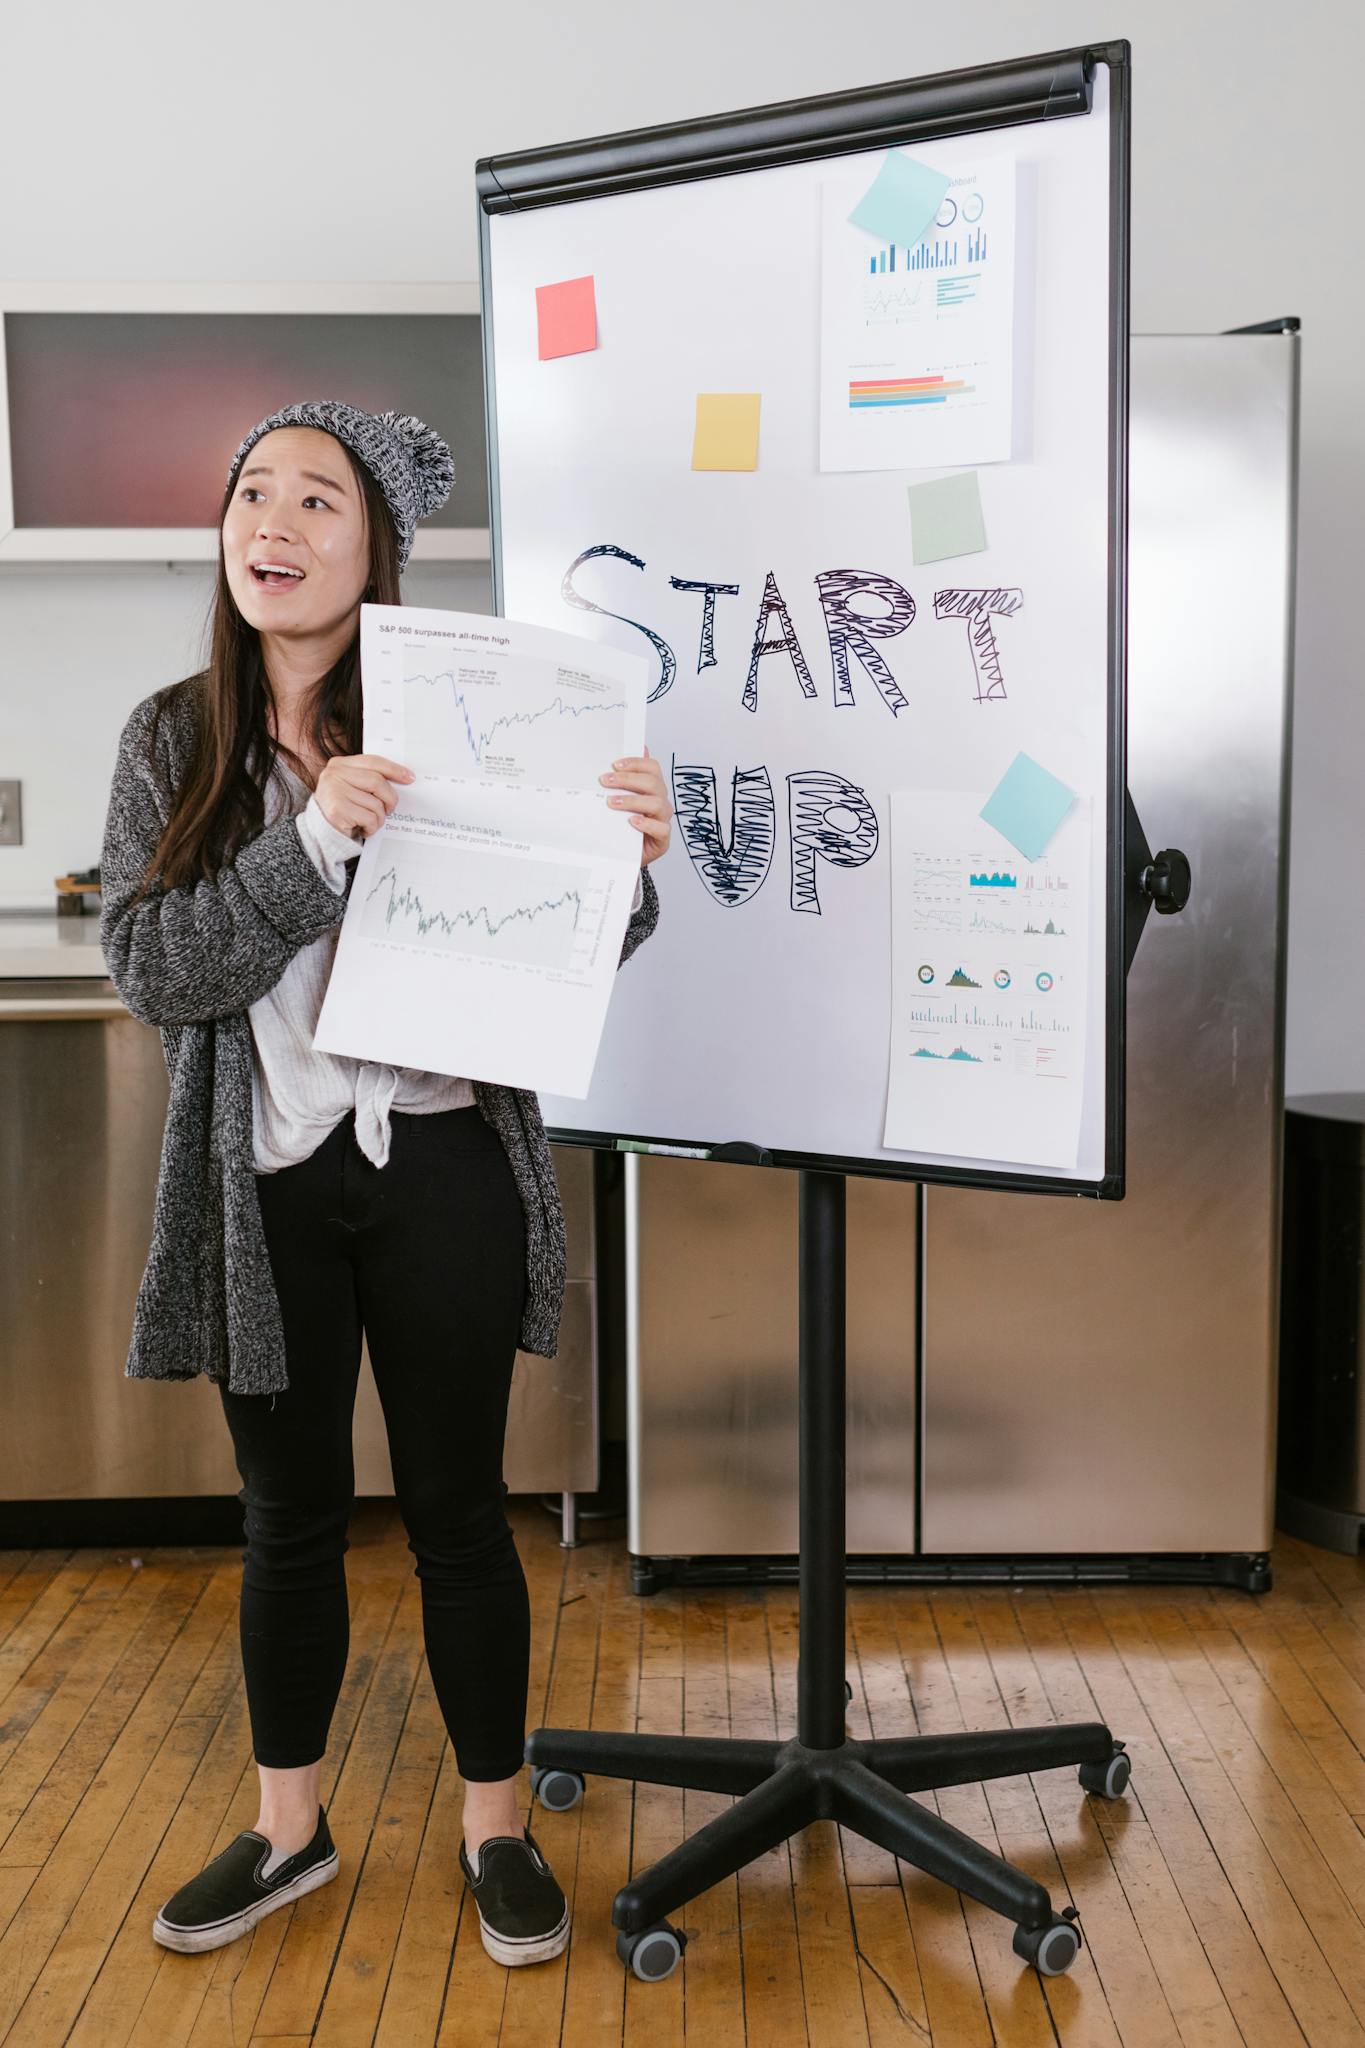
(304, 1198)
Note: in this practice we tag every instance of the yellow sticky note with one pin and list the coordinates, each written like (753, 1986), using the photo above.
(726, 434)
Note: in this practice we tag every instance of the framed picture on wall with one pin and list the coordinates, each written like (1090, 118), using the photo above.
(122, 405)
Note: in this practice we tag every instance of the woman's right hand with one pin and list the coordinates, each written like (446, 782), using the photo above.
(356, 790)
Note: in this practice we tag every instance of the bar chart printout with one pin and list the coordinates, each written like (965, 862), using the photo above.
(916, 344)
(988, 983)
(486, 915)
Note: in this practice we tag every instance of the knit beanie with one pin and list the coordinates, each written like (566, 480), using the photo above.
(412, 465)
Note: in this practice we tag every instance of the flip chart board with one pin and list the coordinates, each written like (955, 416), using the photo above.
(854, 486)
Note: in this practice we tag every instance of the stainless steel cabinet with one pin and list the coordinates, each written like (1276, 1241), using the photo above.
(1090, 1377)
(83, 1094)
(711, 1349)
(1101, 1376)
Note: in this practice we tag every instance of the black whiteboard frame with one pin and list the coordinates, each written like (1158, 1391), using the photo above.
(1054, 86)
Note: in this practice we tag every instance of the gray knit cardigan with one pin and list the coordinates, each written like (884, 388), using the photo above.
(191, 960)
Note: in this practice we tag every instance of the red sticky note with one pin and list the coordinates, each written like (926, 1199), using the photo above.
(566, 315)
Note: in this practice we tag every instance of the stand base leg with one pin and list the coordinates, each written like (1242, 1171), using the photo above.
(704, 1763)
(759, 1821)
(881, 1814)
(924, 1763)
(862, 1785)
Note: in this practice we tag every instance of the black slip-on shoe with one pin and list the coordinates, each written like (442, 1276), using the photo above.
(523, 1914)
(231, 1893)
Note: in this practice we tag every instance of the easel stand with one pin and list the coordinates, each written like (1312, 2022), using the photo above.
(821, 1774)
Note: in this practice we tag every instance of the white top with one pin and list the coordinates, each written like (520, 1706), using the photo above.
(298, 1093)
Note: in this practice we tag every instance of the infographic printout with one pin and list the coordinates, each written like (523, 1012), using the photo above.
(988, 983)
(486, 915)
(917, 344)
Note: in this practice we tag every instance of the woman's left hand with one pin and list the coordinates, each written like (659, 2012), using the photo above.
(639, 784)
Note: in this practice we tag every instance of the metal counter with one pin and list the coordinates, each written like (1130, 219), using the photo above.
(83, 1094)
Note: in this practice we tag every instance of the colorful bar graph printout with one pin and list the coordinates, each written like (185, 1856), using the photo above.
(917, 335)
(566, 317)
(867, 391)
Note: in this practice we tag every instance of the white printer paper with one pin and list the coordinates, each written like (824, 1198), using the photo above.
(487, 913)
(989, 959)
(916, 345)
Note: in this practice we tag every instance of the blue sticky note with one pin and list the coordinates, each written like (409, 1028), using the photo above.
(1027, 805)
(901, 201)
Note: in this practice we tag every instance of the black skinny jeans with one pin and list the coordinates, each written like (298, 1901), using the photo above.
(426, 1255)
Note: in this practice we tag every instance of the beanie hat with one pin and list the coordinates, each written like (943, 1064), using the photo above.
(412, 465)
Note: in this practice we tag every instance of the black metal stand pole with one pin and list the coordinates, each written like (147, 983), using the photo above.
(819, 1774)
(823, 1483)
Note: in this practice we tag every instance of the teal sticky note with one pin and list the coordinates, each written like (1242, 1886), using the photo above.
(945, 517)
(1027, 805)
(901, 201)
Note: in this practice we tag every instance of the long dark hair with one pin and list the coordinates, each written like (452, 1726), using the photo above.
(219, 804)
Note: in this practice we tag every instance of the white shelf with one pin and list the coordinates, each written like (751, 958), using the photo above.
(197, 544)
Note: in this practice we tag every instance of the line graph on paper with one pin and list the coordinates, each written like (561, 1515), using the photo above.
(504, 908)
(460, 719)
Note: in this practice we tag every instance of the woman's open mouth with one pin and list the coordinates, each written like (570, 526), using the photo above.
(272, 578)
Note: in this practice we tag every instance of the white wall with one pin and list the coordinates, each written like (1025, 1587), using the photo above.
(123, 631)
(148, 140)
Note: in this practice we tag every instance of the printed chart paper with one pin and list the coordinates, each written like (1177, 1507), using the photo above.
(916, 344)
(486, 915)
(989, 956)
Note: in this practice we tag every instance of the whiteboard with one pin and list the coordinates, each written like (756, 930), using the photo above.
(753, 1022)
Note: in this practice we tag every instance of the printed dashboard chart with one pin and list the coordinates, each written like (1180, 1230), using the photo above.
(916, 344)
(988, 978)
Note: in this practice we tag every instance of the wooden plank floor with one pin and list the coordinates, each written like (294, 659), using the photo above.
(1222, 1901)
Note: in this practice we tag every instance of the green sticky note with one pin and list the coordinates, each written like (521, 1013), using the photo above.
(901, 201)
(945, 517)
(1027, 805)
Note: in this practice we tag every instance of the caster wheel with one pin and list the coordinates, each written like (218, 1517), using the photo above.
(848, 1694)
(1110, 1780)
(1053, 1949)
(653, 1954)
(557, 1790)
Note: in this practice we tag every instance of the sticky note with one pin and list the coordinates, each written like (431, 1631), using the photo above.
(1027, 805)
(945, 517)
(901, 201)
(566, 317)
(726, 434)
